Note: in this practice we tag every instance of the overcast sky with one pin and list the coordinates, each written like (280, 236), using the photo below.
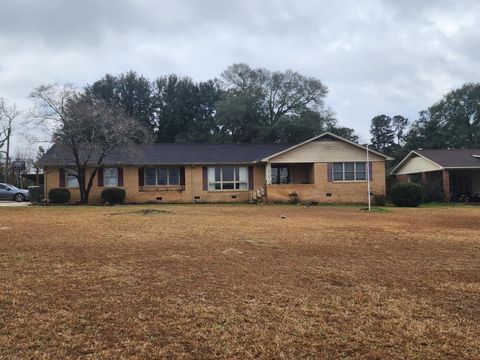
(392, 57)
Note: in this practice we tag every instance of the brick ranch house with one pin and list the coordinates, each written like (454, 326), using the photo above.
(454, 172)
(324, 169)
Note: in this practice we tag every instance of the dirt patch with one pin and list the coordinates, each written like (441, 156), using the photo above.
(144, 212)
(232, 251)
(235, 282)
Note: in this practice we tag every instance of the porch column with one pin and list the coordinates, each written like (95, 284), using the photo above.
(446, 184)
(268, 174)
(424, 178)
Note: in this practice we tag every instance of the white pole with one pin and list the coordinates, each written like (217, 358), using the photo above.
(368, 180)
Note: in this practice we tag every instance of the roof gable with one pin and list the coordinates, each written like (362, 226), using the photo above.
(325, 136)
(442, 158)
(452, 158)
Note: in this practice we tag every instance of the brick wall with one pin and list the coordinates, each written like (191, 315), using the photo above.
(193, 188)
(339, 192)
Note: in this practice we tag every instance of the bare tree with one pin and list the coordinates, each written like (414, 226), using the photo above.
(7, 116)
(86, 127)
(280, 93)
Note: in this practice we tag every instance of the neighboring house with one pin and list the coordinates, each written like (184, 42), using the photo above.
(455, 172)
(326, 168)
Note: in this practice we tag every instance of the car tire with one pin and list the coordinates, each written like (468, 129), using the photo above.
(19, 197)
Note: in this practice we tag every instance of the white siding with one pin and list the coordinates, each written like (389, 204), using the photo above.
(324, 150)
(417, 164)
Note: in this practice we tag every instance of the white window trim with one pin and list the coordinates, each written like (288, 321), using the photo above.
(105, 177)
(213, 182)
(354, 172)
(156, 176)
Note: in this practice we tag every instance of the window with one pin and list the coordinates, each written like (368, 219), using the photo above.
(280, 175)
(349, 171)
(110, 177)
(227, 178)
(162, 176)
(71, 180)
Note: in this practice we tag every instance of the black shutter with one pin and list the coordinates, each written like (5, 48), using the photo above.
(120, 176)
(61, 176)
(100, 176)
(250, 178)
(182, 176)
(141, 176)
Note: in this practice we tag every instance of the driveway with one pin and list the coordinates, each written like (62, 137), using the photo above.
(13, 203)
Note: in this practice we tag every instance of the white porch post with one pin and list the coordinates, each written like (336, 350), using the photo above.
(268, 174)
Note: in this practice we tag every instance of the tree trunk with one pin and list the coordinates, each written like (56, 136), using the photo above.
(7, 160)
(84, 192)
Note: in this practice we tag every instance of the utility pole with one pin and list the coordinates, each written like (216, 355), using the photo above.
(368, 180)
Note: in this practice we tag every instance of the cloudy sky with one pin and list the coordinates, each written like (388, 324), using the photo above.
(392, 57)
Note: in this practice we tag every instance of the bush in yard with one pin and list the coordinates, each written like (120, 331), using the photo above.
(407, 194)
(59, 196)
(113, 195)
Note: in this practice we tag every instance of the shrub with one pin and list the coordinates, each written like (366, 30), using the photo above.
(113, 195)
(59, 196)
(407, 194)
(379, 200)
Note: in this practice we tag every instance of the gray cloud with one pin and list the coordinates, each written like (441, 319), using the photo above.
(375, 56)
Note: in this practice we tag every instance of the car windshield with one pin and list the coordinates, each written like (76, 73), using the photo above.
(11, 186)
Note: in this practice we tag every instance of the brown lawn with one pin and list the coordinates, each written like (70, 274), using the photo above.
(239, 282)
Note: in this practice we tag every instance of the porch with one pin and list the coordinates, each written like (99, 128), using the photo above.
(456, 185)
(295, 173)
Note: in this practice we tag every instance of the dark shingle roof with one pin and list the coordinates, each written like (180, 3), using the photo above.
(164, 154)
(452, 158)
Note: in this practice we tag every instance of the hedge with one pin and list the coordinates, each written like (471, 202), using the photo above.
(59, 196)
(113, 195)
(407, 194)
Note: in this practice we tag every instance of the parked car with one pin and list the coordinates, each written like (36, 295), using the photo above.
(10, 192)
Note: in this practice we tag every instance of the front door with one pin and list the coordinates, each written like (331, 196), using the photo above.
(280, 174)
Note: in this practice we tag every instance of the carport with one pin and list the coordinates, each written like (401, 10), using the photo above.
(453, 173)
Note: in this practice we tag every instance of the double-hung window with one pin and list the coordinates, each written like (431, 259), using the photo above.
(162, 176)
(227, 178)
(110, 177)
(71, 180)
(349, 171)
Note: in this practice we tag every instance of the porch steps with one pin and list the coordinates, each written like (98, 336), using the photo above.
(259, 196)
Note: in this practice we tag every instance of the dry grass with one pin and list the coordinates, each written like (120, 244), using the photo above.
(239, 282)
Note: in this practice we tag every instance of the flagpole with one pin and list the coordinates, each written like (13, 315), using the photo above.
(368, 180)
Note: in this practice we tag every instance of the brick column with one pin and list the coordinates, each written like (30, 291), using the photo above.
(446, 184)
(268, 174)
